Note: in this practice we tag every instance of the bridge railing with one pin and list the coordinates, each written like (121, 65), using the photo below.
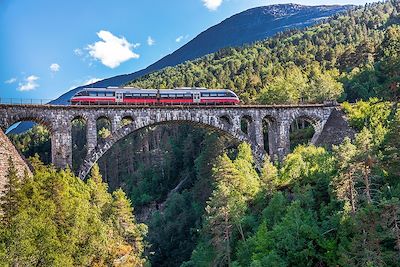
(24, 101)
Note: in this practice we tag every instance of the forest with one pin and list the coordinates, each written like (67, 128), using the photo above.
(199, 199)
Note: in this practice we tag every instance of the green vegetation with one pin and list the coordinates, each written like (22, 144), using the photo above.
(338, 208)
(55, 219)
(201, 197)
(352, 56)
(34, 141)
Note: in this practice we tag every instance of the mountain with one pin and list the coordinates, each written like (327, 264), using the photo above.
(243, 28)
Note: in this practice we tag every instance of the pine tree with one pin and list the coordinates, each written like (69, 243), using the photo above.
(248, 183)
(10, 197)
(131, 232)
(365, 161)
(269, 176)
(100, 197)
(344, 182)
(221, 209)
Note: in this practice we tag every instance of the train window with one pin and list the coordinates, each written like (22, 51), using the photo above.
(128, 95)
(188, 95)
(109, 94)
(144, 95)
(179, 95)
(136, 95)
(221, 94)
(172, 95)
(101, 94)
(205, 94)
(92, 94)
(152, 95)
(164, 95)
(213, 94)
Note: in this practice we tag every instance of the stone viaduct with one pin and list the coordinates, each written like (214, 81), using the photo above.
(226, 119)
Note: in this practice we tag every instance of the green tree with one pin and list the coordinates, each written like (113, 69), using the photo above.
(10, 195)
(344, 182)
(131, 232)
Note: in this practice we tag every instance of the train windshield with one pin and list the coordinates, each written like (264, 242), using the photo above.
(82, 93)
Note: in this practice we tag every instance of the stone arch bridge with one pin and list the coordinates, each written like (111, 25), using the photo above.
(227, 119)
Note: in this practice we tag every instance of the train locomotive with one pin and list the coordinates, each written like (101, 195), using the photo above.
(136, 96)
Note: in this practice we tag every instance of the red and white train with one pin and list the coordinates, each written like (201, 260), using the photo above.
(132, 96)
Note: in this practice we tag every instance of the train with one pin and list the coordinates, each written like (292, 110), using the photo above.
(137, 96)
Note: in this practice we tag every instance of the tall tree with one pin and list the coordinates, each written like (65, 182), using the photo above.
(9, 199)
(131, 232)
(344, 182)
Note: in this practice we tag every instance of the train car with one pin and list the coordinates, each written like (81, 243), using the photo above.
(135, 96)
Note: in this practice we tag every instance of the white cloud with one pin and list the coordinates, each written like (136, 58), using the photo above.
(178, 39)
(212, 4)
(11, 80)
(112, 50)
(150, 41)
(54, 67)
(86, 81)
(78, 52)
(91, 80)
(29, 84)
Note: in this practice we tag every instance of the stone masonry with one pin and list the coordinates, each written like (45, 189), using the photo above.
(225, 119)
(7, 150)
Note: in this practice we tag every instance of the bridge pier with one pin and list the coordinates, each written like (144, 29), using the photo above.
(91, 135)
(282, 139)
(61, 147)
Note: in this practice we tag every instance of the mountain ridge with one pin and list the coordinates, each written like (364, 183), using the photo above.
(169, 61)
(259, 23)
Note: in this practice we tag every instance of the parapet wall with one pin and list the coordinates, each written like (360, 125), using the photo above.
(7, 150)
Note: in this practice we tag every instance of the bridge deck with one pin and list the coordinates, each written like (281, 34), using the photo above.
(169, 106)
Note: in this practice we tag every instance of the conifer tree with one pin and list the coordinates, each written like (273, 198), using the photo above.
(269, 176)
(248, 183)
(344, 182)
(365, 161)
(131, 232)
(100, 197)
(9, 199)
(225, 205)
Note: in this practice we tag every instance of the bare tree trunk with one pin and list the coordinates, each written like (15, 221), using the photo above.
(366, 182)
(227, 239)
(396, 229)
(352, 197)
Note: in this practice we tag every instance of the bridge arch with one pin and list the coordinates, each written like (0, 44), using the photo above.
(122, 132)
(245, 123)
(223, 118)
(316, 121)
(37, 118)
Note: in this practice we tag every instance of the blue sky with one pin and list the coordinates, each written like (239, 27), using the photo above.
(48, 47)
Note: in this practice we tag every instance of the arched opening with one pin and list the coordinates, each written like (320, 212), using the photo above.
(245, 122)
(269, 134)
(126, 120)
(31, 137)
(162, 167)
(103, 128)
(79, 141)
(226, 121)
(301, 131)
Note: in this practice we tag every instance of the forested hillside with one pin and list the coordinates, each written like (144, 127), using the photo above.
(343, 58)
(55, 219)
(199, 193)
